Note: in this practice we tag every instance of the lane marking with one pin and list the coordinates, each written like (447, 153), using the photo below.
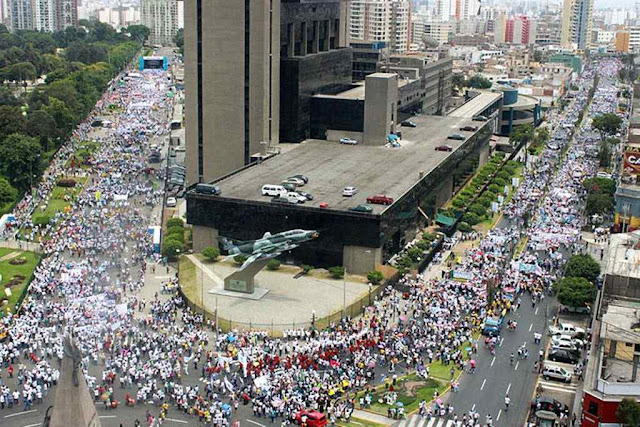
(499, 413)
(473, 408)
(258, 424)
(508, 388)
(536, 310)
(483, 383)
(34, 425)
(530, 327)
(501, 340)
(493, 361)
(20, 413)
(517, 364)
(107, 416)
(178, 421)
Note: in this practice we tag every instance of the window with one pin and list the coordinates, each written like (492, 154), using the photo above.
(593, 408)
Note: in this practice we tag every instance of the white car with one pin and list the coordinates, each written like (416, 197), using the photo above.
(171, 202)
(603, 175)
(556, 373)
(349, 191)
(297, 181)
(565, 329)
(180, 149)
(348, 141)
(299, 198)
(562, 339)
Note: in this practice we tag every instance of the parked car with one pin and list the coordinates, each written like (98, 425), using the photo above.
(562, 338)
(296, 196)
(469, 128)
(380, 199)
(556, 373)
(444, 147)
(180, 149)
(349, 191)
(565, 328)
(171, 202)
(348, 141)
(289, 186)
(273, 190)
(208, 189)
(548, 404)
(302, 177)
(312, 418)
(457, 136)
(324, 205)
(563, 356)
(479, 118)
(283, 200)
(308, 196)
(295, 180)
(408, 124)
(362, 208)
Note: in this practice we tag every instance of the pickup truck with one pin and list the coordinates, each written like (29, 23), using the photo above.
(565, 329)
(492, 326)
(380, 199)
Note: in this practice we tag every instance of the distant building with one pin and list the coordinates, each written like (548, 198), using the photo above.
(440, 32)
(42, 15)
(381, 20)
(569, 59)
(161, 17)
(500, 29)
(577, 17)
(366, 56)
(66, 13)
(622, 40)
(119, 17)
(634, 38)
(520, 30)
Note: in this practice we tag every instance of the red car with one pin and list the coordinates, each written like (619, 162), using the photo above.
(314, 418)
(324, 205)
(380, 199)
(444, 148)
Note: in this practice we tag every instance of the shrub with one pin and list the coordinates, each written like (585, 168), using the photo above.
(240, 259)
(171, 248)
(41, 220)
(175, 222)
(306, 268)
(459, 203)
(478, 209)
(471, 218)
(429, 237)
(176, 233)
(464, 227)
(211, 253)
(485, 201)
(500, 182)
(423, 245)
(466, 192)
(336, 272)
(503, 174)
(496, 189)
(67, 183)
(414, 254)
(489, 168)
(375, 277)
(273, 264)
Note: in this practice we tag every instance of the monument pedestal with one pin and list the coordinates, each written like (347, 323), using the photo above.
(244, 280)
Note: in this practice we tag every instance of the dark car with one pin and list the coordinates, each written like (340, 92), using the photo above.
(444, 148)
(282, 200)
(469, 128)
(309, 196)
(563, 356)
(302, 177)
(408, 124)
(549, 404)
(457, 137)
(361, 208)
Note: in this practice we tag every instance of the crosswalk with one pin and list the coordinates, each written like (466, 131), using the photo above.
(418, 421)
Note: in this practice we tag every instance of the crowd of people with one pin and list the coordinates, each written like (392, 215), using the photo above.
(98, 251)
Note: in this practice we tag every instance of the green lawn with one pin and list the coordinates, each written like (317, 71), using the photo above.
(83, 150)
(411, 391)
(8, 271)
(60, 199)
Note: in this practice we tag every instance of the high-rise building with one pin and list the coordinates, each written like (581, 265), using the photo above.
(161, 16)
(520, 30)
(447, 10)
(469, 9)
(381, 20)
(500, 29)
(577, 17)
(231, 81)
(42, 15)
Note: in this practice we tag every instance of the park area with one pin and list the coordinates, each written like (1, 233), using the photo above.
(16, 270)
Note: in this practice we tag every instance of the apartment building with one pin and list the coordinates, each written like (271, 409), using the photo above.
(381, 20)
(161, 17)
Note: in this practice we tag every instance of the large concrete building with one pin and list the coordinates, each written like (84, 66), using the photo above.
(232, 83)
(161, 17)
(577, 20)
(42, 15)
(381, 20)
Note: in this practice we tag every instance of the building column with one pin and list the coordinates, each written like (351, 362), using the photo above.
(304, 39)
(360, 259)
(325, 40)
(315, 46)
(204, 237)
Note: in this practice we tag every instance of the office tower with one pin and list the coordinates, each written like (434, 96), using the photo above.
(469, 9)
(161, 16)
(577, 16)
(500, 29)
(232, 79)
(66, 13)
(381, 20)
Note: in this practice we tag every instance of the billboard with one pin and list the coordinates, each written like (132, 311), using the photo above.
(632, 160)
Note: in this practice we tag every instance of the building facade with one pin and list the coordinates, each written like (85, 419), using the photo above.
(161, 17)
(232, 84)
(381, 20)
(66, 13)
(577, 20)
(42, 15)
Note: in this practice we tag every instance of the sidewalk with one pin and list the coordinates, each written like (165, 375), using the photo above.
(20, 245)
(374, 418)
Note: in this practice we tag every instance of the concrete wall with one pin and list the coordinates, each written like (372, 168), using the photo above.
(361, 259)
(204, 237)
(380, 107)
(223, 81)
(444, 192)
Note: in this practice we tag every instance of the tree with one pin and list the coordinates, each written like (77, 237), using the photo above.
(171, 248)
(88, 53)
(211, 253)
(457, 80)
(604, 154)
(21, 72)
(62, 115)
(537, 56)
(40, 124)
(575, 292)
(522, 135)
(8, 194)
(479, 82)
(175, 222)
(375, 277)
(139, 32)
(11, 121)
(600, 204)
(19, 159)
(607, 124)
(583, 266)
(628, 412)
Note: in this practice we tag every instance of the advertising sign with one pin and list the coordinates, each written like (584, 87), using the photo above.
(632, 160)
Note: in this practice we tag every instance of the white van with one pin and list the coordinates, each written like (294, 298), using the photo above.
(273, 190)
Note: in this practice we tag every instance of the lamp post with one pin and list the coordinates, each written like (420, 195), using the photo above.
(370, 287)
(313, 319)
(344, 293)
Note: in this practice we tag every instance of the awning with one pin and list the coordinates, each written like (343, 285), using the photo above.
(445, 220)
(392, 137)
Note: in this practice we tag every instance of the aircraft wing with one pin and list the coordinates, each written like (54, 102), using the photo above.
(249, 260)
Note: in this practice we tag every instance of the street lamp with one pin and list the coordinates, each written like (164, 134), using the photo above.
(370, 287)
(313, 319)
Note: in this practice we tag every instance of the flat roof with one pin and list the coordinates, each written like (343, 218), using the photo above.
(332, 166)
(620, 322)
(358, 92)
(476, 105)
